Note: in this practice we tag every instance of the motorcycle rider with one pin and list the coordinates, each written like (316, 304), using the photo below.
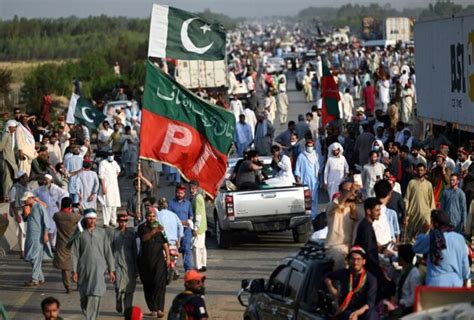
(170, 222)
(173, 227)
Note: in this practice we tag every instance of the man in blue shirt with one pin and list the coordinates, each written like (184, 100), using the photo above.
(170, 222)
(183, 209)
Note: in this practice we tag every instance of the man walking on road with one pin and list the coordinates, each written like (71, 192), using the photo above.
(183, 209)
(87, 186)
(91, 257)
(124, 249)
(371, 173)
(454, 204)
(16, 208)
(51, 195)
(243, 135)
(282, 100)
(420, 201)
(37, 238)
(108, 174)
(306, 172)
(66, 222)
(200, 226)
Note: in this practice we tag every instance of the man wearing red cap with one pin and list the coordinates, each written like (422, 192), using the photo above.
(183, 209)
(190, 304)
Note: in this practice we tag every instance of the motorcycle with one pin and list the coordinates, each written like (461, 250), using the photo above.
(172, 269)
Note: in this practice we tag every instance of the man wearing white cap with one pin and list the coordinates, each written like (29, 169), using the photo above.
(37, 238)
(91, 257)
(16, 207)
(8, 150)
(336, 169)
(51, 195)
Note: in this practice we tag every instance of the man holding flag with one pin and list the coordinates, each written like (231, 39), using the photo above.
(329, 95)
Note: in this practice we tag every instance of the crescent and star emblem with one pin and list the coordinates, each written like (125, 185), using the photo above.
(187, 43)
(85, 115)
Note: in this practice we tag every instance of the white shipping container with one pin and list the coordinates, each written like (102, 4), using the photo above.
(198, 73)
(398, 29)
(444, 55)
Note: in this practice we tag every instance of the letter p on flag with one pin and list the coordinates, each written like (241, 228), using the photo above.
(185, 133)
(178, 135)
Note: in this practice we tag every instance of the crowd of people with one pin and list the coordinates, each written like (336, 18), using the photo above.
(416, 190)
(416, 197)
(56, 182)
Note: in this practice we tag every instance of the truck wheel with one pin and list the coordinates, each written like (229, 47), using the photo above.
(301, 233)
(223, 238)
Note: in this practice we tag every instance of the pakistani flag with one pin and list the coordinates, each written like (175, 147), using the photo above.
(178, 34)
(329, 95)
(184, 131)
(82, 111)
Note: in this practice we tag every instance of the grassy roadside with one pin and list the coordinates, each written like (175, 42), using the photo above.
(20, 69)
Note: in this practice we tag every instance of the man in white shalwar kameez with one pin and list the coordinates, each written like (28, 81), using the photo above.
(51, 195)
(87, 186)
(108, 174)
(282, 101)
(284, 177)
(270, 106)
(336, 169)
(25, 145)
(307, 171)
(250, 118)
(384, 93)
(236, 107)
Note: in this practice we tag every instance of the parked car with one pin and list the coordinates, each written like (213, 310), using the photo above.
(295, 289)
(275, 64)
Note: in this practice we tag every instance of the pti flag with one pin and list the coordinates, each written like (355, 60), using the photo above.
(82, 111)
(178, 34)
(182, 130)
(329, 95)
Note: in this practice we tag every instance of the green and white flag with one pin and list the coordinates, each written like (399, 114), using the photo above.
(179, 34)
(82, 111)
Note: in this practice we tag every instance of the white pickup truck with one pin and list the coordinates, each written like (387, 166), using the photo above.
(263, 210)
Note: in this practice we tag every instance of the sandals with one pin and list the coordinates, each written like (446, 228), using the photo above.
(32, 283)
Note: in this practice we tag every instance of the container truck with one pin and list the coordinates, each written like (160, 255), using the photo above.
(444, 58)
(398, 29)
(205, 74)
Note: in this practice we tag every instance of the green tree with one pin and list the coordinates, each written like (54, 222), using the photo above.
(5, 81)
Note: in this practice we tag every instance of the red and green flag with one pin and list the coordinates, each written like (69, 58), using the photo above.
(184, 131)
(329, 95)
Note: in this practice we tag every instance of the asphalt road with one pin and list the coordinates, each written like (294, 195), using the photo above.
(251, 257)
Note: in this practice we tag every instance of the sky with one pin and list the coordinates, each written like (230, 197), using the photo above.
(142, 8)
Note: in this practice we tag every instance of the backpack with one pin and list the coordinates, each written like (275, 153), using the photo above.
(177, 311)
